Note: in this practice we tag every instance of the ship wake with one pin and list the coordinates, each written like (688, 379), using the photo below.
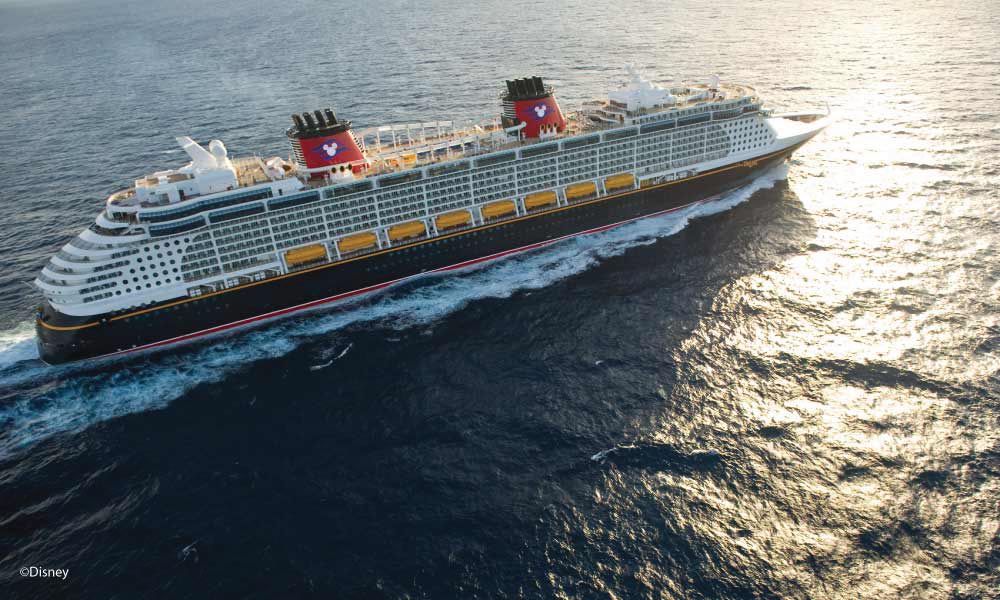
(38, 401)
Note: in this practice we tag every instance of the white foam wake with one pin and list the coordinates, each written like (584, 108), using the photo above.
(17, 345)
(40, 401)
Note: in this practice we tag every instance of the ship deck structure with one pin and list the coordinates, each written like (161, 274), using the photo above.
(224, 242)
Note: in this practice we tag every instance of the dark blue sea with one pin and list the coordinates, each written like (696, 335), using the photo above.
(791, 392)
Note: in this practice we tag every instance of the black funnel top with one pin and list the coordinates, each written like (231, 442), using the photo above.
(528, 88)
(317, 123)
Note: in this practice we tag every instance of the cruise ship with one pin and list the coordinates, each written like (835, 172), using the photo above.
(226, 242)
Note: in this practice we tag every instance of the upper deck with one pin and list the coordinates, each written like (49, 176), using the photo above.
(404, 146)
(397, 148)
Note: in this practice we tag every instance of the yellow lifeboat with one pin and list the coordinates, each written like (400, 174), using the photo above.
(306, 254)
(498, 209)
(358, 241)
(539, 199)
(578, 191)
(407, 230)
(453, 219)
(409, 159)
(618, 182)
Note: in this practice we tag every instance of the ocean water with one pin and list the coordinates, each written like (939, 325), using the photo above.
(788, 392)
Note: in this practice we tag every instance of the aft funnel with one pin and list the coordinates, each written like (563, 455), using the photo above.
(322, 145)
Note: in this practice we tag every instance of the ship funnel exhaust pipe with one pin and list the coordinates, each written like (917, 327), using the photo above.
(531, 102)
(324, 147)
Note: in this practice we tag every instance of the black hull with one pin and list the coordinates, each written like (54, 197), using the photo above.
(63, 338)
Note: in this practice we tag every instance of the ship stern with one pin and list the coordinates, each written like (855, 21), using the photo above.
(62, 338)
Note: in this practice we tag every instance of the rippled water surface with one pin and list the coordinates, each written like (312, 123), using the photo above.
(790, 392)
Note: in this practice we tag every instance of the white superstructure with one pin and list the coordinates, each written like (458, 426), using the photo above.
(220, 222)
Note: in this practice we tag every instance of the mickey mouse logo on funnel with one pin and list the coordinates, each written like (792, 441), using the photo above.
(322, 144)
(328, 150)
(533, 103)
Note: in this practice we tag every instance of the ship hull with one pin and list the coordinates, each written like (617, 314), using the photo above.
(63, 338)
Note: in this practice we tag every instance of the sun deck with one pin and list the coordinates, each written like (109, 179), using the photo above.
(401, 147)
(394, 148)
